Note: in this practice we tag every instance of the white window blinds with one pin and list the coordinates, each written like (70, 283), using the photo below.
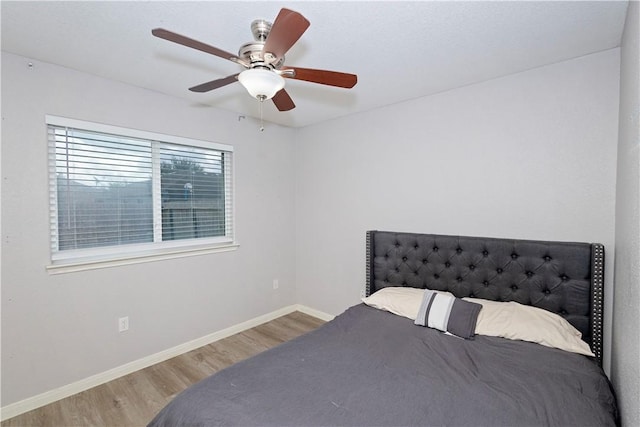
(114, 189)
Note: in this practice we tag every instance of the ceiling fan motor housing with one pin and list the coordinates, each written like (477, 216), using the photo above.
(252, 52)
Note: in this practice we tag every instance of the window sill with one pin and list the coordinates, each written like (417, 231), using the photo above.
(94, 264)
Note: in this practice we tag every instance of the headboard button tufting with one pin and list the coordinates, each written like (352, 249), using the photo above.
(499, 271)
(514, 256)
(447, 264)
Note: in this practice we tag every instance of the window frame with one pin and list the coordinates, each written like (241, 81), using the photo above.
(108, 256)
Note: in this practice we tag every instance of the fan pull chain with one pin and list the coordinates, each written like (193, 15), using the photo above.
(261, 98)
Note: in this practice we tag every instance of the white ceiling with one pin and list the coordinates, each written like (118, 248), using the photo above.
(399, 50)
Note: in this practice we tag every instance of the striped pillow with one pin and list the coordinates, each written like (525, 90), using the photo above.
(448, 314)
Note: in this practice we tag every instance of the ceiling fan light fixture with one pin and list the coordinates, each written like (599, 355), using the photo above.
(261, 84)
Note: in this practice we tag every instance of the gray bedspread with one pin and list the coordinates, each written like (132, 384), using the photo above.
(372, 368)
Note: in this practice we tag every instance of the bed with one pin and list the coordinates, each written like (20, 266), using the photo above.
(372, 367)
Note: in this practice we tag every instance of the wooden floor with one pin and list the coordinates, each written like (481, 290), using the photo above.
(133, 400)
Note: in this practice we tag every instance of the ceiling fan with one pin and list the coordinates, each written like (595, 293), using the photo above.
(264, 60)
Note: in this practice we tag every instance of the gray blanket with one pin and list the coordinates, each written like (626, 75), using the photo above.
(372, 368)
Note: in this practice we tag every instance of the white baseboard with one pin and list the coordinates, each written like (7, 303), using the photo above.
(313, 312)
(51, 396)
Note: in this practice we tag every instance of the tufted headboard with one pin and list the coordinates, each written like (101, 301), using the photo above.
(562, 277)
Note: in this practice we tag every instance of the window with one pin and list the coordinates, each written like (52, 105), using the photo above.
(123, 193)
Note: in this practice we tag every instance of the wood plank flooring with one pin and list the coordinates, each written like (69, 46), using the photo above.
(133, 400)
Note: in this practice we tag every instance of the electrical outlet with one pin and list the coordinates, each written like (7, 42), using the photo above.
(123, 324)
(363, 293)
(276, 284)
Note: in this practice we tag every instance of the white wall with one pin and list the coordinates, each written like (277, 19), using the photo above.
(530, 156)
(625, 353)
(60, 329)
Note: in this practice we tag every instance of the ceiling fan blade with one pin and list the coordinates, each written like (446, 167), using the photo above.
(283, 101)
(195, 44)
(214, 84)
(324, 77)
(285, 31)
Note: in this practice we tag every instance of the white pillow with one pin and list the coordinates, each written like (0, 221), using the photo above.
(515, 321)
(402, 301)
